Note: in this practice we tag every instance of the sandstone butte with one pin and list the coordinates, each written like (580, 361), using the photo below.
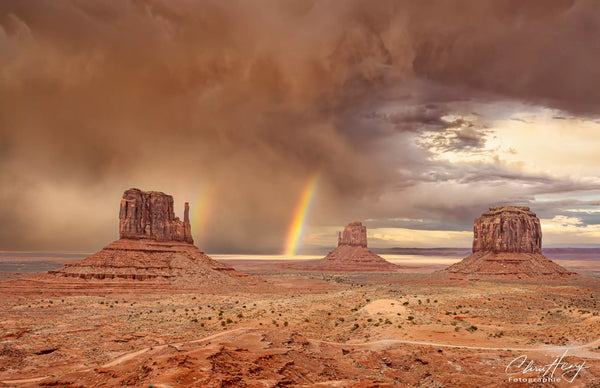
(153, 245)
(507, 244)
(352, 254)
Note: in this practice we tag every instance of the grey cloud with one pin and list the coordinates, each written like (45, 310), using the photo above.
(250, 98)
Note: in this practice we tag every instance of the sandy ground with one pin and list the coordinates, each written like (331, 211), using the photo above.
(299, 329)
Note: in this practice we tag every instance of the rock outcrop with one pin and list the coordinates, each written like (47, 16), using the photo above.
(172, 261)
(508, 229)
(150, 215)
(351, 254)
(354, 235)
(154, 245)
(507, 244)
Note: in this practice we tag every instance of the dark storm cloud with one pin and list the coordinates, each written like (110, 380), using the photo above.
(458, 135)
(445, 196)
(250, 98)
(414, 119)
(544, 51)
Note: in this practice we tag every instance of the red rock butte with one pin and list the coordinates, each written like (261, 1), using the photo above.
(352, 254)
(149, 215)
(507, 244)
(154, 245)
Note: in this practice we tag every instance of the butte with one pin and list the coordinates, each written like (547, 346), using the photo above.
(154, 245)
(352, 254)
(507, 244)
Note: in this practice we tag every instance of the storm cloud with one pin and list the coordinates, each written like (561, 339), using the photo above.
(246, 100)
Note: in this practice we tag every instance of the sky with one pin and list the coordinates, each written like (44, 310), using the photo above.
(415, 116)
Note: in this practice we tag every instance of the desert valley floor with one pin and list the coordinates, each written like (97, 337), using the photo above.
(287, 328)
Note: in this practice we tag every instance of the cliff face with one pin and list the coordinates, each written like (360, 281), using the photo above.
(508, 229)
(355, 234)
(150, 215)
(507, 244)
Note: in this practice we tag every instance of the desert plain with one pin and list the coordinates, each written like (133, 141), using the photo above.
(287, 327)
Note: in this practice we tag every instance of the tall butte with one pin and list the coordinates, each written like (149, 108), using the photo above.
(507, 244)
(352, 254)
(153, 245)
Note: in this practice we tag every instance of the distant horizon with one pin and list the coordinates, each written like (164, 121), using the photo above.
(302, 252)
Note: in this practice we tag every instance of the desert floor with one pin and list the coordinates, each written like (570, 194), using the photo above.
(301, 329)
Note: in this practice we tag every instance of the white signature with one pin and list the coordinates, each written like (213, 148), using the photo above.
(570, 371)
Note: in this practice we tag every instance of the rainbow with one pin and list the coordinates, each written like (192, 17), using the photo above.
(297, 225)
(201, 212)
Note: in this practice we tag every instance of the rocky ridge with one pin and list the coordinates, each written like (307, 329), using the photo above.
(149, 215)
(351, 254)
(507, 244)
(154, 246)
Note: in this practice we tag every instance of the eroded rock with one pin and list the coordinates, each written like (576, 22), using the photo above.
(150, 215)
(154, 246)
(508, 229)
(354, 234)
(507, 244)
(351, 254)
